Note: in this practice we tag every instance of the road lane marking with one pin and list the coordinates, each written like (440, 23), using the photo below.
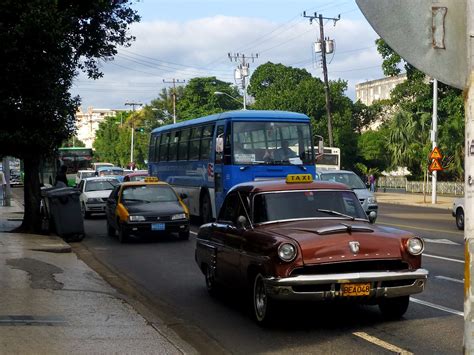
(440, 241)
(443, 258)
(192, 232)
(449, 279)
(441, 308)
(423, 229)
(381, 343)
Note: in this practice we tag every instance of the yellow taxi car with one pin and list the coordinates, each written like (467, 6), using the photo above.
(148, 207)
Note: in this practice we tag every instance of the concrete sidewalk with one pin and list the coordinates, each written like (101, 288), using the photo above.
(443, 202)
(53, 303)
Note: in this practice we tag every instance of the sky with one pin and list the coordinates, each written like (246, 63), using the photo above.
(184, 39)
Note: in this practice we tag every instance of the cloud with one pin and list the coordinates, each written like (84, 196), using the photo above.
(164, 50)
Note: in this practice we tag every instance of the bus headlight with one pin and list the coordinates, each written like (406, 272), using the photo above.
(415, 246)
(136, 218)
(287, 252)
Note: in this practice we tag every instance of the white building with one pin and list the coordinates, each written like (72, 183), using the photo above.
(87, 122)
(378, 89)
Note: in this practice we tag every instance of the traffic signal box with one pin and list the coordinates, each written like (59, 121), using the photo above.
(435, 157)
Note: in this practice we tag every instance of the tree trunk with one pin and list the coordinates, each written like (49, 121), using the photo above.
(32, 197)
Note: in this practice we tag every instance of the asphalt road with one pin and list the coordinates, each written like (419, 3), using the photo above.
(164, 271)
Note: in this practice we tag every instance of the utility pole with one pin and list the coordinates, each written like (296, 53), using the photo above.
(174, 82)
(434, 134)
(326, 46)
(242, 71)
(133, 104)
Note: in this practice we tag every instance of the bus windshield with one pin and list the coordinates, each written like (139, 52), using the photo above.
(280, 143)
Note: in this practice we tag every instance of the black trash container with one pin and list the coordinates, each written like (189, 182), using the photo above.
(63, 207)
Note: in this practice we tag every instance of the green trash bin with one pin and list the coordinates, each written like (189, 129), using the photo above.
(64, 210)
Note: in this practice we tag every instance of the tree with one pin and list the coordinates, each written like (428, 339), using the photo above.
(74, 142)
(278, 87)
(413, 99)
(198, 98)
(48, 42)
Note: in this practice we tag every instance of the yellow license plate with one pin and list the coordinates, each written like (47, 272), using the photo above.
(355, 289)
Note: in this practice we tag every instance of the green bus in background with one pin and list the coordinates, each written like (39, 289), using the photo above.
(75, 158)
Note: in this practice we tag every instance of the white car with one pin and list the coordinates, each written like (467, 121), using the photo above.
(366, 197)
(94, 194)
(82, 174)
(458, 212)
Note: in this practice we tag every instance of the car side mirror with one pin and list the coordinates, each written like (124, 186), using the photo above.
(182, 195)
(242, 222)
(372, 216)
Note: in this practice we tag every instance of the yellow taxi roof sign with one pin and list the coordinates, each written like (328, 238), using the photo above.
(299, 178)
(151, 179)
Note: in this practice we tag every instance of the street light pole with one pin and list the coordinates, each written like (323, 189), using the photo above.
(133, 104)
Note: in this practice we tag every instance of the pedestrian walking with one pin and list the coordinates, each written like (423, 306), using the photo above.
(372, 182)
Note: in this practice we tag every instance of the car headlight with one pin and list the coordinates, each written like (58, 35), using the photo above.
(287, 252)
(136, 218)
(415, 246)
(94, 200)
(372, 200)
(178, 216)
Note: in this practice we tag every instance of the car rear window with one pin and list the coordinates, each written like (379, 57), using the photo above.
(149, 193)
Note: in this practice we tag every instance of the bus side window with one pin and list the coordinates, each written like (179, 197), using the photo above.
(164, 146)
(173, 146)
(194, 143)
(157, 148)
(183, 145)
(151, 152)
(207, 134)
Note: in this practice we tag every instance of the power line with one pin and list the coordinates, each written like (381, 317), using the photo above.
(174, 82)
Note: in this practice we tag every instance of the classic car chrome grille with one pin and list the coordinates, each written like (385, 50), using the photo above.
(354, 266)
(157, 218)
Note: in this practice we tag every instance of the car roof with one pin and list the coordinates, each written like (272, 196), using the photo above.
(86, 171)
(138, 173)
(100, 178)
(142, 183)
(282, 185)
(109, 168)
(322, 172)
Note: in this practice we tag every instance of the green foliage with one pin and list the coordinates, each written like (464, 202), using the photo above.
(44, 44)
(372, 149)
(198, 99)
(278, 87)
(74, 142)
(412, 104)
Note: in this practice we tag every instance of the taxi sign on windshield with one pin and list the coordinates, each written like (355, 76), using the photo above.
(299, 178)
(151, 179)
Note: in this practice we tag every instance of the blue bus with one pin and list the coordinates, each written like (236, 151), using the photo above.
(205, 157)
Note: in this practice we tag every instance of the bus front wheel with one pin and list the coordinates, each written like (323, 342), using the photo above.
(206, 209)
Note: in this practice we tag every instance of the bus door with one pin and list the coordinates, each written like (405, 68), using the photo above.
(222, 154)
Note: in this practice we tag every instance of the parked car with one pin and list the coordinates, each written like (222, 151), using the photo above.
(136, 176)
(307, 241)
(148, 207)
(458, 212)
(366, 197)
(82, 174)
(94, 194)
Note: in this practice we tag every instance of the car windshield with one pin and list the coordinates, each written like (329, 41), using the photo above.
(101, 185)
(285, 205)
(149, 193)
(350, 179)
(280, 143)
(87, 174)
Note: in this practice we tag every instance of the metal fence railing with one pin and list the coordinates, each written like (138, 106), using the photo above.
(399, 182)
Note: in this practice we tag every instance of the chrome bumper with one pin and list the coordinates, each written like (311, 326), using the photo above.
(299, 287)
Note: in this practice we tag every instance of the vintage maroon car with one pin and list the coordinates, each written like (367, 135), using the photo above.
(308, 241)
(136, 176)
